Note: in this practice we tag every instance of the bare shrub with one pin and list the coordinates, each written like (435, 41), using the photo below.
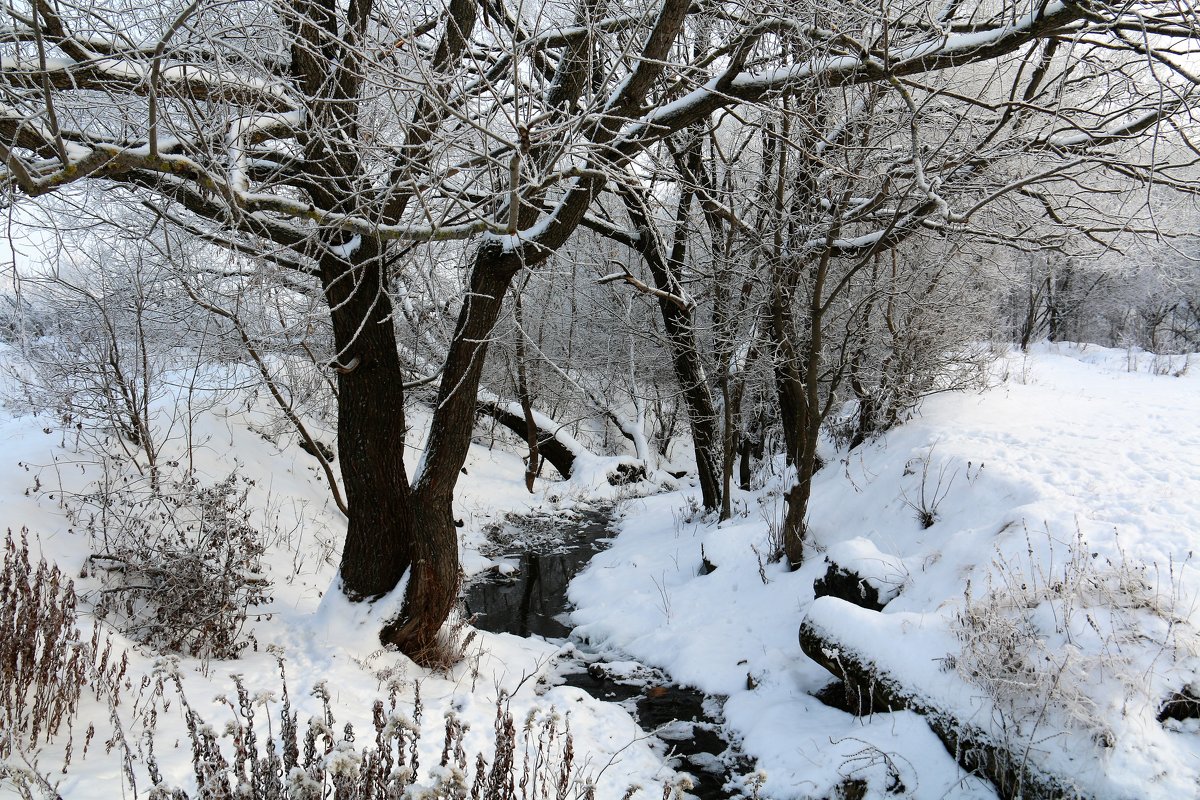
(769, 508)
(44, 662)
(1040, 641)
(181, 563)
(690, 513)
(929, 498)
(319, 759)
(104, 352)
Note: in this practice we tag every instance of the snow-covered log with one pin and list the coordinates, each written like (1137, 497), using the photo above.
(975, 750)
(862, 574)
(847, 585)
(554, 444)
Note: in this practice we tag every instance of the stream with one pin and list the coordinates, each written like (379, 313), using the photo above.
(533, 600)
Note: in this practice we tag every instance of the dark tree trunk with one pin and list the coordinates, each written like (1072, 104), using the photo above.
(371, 427)
(807, 461)
(744, 471)
(789, 385)
(1031, 322)
(433, 579)
(685, 351)
(733, 387)
(702, 420)
(797, 415)
(798, 376)
(1058, 287)
(522, 381)
(430, 534)
(867, 419)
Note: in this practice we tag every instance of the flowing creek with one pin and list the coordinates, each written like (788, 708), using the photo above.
(533, 600)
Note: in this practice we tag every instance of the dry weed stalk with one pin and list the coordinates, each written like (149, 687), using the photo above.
(321, 761)
(1038, 638)
(44, 661)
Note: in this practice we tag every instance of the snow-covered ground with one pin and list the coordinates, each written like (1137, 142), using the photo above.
(1067, 505)
(1067, 502)
(322, 638)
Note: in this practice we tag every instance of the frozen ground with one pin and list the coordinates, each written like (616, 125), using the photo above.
(1068, 504)
(323, 639)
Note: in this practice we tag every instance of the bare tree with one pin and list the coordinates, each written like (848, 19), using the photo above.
(346, 139)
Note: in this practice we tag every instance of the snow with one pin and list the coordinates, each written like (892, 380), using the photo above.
(346, 250)
(1074, 448)
(236, 141)
(321, 636)
(545, 423)
(884, 572)
(1074, 451)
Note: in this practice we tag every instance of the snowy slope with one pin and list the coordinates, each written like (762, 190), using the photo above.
(1067, 512)
(1069, 502)
(321, 637)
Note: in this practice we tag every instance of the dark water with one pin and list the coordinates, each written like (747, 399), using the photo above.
(534, 601)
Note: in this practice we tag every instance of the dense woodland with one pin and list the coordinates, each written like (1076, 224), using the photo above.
(706, 223)
(705, 236)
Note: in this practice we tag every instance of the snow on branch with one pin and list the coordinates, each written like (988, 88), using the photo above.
(106, 160)
(185, 81)
(937, 53)
(685, 303)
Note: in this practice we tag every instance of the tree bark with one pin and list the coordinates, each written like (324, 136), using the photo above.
(371, 427)
(522, 381)
(430, 539)
(744, 464)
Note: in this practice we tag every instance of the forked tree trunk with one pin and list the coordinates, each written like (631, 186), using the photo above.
(399, 526)
(432, 539)
(434, 576)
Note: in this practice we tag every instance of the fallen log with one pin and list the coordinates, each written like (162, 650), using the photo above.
(976, 751)
(552, 444)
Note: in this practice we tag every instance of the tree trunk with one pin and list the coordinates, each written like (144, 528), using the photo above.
(744, 465)
(433, 579)
(733, 387)
(685, 351)
(796, 499)
(796, 416)
(522, 381)
(371, 427)
(789, 386)
(1059, 285)
(702, 420)
(729, 444)
(430, 535)
(396, 528)
(807, 434)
